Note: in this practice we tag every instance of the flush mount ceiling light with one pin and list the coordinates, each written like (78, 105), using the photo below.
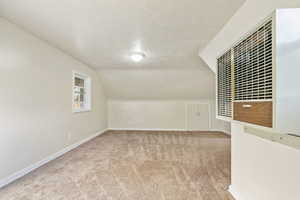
(137, 56)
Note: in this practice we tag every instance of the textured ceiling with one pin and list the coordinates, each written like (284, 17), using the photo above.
(103, 33)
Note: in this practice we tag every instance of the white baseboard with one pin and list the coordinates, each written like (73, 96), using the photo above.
(158, 129)
(40, 163)
(233, 192)
(219, 130)
(144, 129)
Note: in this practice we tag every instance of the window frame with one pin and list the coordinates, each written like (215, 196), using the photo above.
(88, 94)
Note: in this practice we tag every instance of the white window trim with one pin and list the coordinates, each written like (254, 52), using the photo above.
(88, 90)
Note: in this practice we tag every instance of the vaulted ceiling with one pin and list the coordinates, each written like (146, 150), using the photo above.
(104, 33)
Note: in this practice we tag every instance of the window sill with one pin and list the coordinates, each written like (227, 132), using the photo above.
(81, 111)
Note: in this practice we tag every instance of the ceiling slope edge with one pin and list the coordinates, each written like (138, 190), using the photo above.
(48, 43)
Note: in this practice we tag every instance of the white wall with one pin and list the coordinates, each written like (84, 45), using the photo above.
(35, 105)
(263, 170)
(160, 84)
(156, 114)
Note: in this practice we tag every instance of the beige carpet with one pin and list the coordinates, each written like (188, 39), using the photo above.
(124, 165)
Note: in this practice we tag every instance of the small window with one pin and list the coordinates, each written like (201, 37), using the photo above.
(81, 92)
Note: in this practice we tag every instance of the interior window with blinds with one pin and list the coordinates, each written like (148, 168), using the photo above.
(81, 92)
(224, 85)
(253, 66)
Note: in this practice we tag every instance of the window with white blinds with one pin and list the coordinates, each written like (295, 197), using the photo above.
(253, 66)
(224, 85)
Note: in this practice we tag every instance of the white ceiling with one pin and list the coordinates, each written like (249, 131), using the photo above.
(103, 34)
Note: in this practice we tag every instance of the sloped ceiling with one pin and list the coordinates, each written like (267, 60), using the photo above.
(239, 25)
(103, 34)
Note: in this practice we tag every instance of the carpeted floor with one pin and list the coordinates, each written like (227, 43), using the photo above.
(122, 165)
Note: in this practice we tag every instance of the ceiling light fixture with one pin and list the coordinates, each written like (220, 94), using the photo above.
(137, 57)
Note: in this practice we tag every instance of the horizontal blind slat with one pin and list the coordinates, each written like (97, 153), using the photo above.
(253, 59)
(224, 85)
